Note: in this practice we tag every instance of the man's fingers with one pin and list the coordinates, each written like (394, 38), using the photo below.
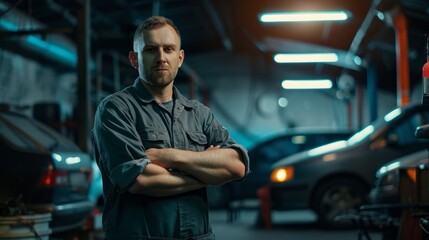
(211, 147)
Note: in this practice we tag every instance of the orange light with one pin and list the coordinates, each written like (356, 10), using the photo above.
(412, 173)
(282, 174)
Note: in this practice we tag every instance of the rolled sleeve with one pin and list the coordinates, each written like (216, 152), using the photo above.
(125, 174)
(244, 156)
(121, 151)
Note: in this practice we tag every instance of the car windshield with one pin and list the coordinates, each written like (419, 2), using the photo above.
(26, 133)
(367, 131)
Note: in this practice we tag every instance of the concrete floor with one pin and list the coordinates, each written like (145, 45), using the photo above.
(293, 225)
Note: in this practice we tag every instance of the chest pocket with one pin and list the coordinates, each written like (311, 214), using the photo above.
(197, 141)
(154, 138)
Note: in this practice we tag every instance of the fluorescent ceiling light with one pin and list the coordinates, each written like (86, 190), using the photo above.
(307, 84)
(304, 16)
(305, 57)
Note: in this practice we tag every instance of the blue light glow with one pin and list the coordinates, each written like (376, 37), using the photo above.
(52, 48)
(73, 160)
(57, 157)
(44, 46)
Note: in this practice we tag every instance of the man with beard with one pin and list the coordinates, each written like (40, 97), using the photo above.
(157, 151)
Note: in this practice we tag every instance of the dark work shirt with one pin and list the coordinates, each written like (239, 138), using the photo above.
(130, 121)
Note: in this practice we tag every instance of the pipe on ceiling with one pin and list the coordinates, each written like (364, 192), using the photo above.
(227, 43)
(354, 47)
(55, 47)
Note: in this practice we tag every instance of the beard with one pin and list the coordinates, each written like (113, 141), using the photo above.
(157, 79)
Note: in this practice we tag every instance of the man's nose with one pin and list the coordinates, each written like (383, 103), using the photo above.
(160, 55)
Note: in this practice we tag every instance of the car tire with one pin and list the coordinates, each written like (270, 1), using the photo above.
(336, 197)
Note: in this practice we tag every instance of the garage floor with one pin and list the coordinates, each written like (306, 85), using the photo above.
(293, 225)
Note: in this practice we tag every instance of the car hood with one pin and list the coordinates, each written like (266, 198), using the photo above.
(409, 161)
(312, 153)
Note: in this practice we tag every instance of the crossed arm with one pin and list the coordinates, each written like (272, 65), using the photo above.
(192, 170)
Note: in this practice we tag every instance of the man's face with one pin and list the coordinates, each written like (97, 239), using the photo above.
(159, 56)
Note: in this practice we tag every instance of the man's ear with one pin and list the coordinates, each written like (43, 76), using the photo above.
(132, 56)
(181, 57)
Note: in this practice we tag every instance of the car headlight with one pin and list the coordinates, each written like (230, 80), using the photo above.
(282, 174)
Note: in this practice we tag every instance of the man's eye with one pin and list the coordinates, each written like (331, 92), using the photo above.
(149, 50)
(169, 49)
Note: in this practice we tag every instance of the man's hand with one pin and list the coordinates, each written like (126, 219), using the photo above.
(161, 157)
(212, 147)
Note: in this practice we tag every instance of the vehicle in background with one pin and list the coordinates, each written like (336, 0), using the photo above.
(386, 186)
(42, 172)
(385, 200)
(263, 155)
(337, 177)
(96, 188)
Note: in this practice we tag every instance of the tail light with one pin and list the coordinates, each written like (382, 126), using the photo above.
(88, 174)
(54, 178)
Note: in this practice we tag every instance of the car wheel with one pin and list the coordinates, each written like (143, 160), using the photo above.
(218, 196)
(336, 197)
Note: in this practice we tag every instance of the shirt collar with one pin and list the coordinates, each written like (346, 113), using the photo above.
(144, 95)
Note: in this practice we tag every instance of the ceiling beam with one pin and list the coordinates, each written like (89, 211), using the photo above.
(227, 43)
(363, 29)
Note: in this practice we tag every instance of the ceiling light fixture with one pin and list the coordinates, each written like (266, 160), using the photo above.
(307, 84)
(304, 16)
(305, 57)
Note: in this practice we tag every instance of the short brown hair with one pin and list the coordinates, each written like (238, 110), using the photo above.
(152, 23)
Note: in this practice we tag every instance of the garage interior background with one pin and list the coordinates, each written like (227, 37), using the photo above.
(74, 52)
